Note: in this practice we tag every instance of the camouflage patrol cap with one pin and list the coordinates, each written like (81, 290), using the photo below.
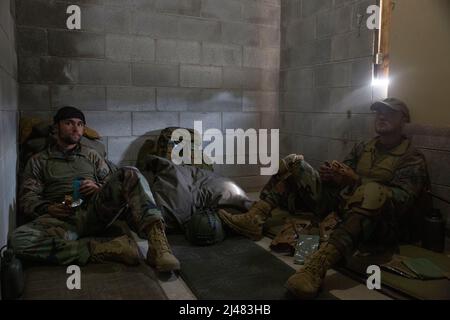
(394, 104)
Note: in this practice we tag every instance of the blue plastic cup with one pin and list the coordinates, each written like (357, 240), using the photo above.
(76, 184)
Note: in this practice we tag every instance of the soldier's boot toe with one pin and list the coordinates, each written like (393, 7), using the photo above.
(305, 284)
(249, 224)
(121, 249)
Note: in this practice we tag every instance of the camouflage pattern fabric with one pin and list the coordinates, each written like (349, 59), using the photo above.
(165, 145)
(61, 241)
(370, 212)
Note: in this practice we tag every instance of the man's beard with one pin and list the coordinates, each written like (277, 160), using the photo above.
(69, 139)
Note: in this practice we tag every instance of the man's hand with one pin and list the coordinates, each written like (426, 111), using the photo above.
(59, 210)
(339, 173)
(89, 187)
(326, 172)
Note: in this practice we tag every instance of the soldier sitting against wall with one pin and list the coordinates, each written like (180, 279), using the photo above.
(372, 190)
(58, 234)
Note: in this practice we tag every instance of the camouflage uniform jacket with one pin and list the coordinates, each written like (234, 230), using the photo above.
(403, 168)
(49, 174)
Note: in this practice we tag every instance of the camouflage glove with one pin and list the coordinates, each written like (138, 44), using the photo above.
(343, 175)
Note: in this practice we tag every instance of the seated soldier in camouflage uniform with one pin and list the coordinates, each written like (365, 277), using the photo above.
(372, 190)
(58, 234)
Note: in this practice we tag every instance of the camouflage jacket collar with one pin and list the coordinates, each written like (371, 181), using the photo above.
(399, 150)
(55, 152)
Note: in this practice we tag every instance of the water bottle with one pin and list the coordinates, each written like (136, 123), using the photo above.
(12, 276)
(434, 231)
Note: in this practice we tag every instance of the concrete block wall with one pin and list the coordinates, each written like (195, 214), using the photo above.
(325, 88)
(138, 66)
(325, 77)
(8, 120)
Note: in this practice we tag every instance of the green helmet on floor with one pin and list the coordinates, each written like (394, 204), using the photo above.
(205, 228)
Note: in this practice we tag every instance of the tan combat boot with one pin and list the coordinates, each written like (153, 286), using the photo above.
(121, 249)
(249, 224)
(305, 284)
(159, 254)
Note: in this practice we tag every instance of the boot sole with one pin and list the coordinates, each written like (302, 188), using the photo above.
(252, 236)
(301, 295)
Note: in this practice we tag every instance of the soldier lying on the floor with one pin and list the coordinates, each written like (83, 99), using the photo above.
(58, 234)
(373, 190)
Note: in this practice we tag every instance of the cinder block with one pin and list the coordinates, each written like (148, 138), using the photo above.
(108, 123)
(270, 120)
(299, 100)
(144, 123)
(155, 25)
(244, 78)
(222, 10)
(84, 97)
(76, 44)
(322, 99)
(212, 100)
(130, 99)
(334, 22)
(200, 76)
(155, 75)
(32, 97)
(240, 33)
(130, 48)
(260, 101)
(239, 120)
(59, 70)
(32, 42)
(41, 13)
(339, 149)
(221, 55)
(309, 53)
(182, 7)
(176, 99)
(119, 47)
(269, 36)
(297, 78)
(176, 51)
(93, 18)
(104, 73)
(270, 80)
(362, 72)
(199, 30)
(117, 20)
(333, 75)
(290, 11)
(124, 150)
(264, 58)
(362, 127)
(143, 49)
(311, 7)
(300, 32)
(29, 69)
(256, 12)
(355, 99)
(210, 120)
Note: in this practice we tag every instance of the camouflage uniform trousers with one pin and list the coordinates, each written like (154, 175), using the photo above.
(301, 188)
(51, 240)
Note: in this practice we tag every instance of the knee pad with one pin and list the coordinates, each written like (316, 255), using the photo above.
(370, 196)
